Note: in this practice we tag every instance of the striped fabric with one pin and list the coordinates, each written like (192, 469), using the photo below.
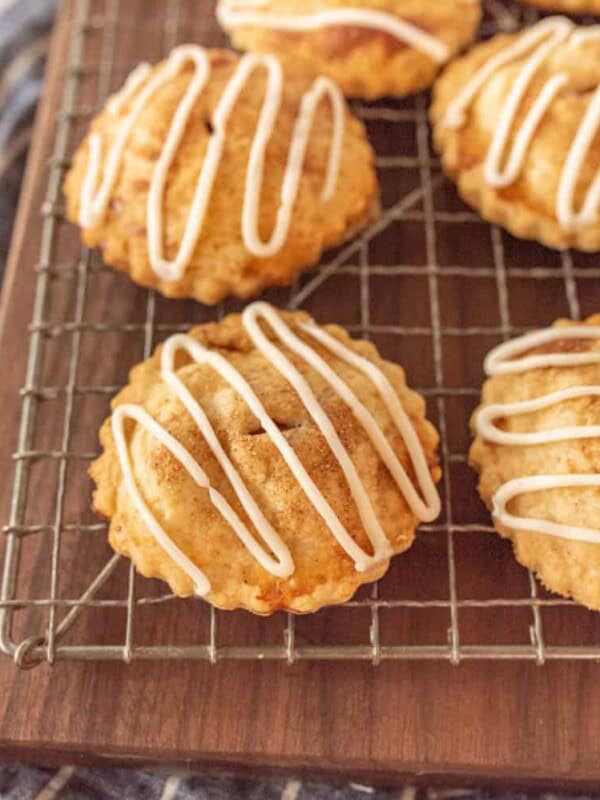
(24, 30)
(68, 783)
(25, 783)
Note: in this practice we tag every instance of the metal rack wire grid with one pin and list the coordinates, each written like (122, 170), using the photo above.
(430, 283)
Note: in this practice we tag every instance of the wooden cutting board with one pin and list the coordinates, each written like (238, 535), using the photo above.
(505, 723)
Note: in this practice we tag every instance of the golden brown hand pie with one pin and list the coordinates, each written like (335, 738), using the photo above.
(567, 6)
(370, 48)
(213, 174)
(517, 126)
(538, 453)
(267, 463)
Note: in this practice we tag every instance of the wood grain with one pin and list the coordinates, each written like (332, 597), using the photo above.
(494, 723)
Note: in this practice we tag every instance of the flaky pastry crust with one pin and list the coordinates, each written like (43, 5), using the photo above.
(221, 266)
(367, 63)
(569, 568)
(526, 207)
(324, 574)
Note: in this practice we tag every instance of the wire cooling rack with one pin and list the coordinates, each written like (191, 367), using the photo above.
(430, 283)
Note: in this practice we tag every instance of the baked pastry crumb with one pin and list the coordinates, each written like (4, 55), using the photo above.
(537, 451)
(213, 175)
(371, 48)
(516, 123)
(267, 463)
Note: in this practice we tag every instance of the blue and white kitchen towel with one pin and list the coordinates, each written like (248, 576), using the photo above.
(24, 32)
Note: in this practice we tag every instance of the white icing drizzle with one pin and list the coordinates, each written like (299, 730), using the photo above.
(500, 361)
(282, 566)
(539, 483)
(238, 13)
(426, 510)
(134, 81)
(573, 168)
(536, 46)
(138, 91)
(491, 432)
(275, 556)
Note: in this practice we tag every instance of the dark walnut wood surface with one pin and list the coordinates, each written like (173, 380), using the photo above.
(511, 723)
